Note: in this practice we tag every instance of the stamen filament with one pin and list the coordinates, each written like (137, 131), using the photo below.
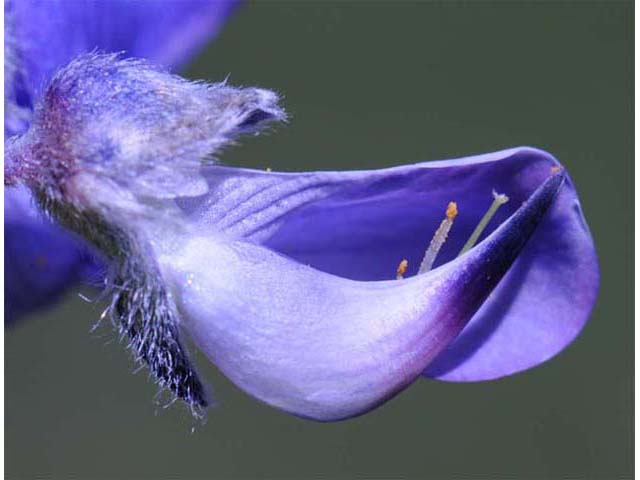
(498, 200)
(402, 268)
(438, 238)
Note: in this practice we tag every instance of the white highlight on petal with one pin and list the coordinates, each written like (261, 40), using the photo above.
(302, 340)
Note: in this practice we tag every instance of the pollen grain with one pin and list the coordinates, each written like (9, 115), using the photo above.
(452, 210)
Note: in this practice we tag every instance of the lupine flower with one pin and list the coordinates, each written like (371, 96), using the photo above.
(323, 294)
(41, 259)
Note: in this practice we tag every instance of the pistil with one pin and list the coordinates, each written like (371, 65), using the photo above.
(498, 200)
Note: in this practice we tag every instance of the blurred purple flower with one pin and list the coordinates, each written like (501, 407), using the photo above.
(42, 260)
(284, 279)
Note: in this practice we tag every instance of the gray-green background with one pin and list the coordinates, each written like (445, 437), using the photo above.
(371, 85)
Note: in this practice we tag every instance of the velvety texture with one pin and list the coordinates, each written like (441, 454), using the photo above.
(360, 225)
(40, 37)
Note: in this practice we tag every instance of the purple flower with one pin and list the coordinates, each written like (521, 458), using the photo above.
(42, 260)
(286, 281)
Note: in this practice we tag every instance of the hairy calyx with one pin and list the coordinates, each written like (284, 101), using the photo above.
(140, 305)
(111, 144)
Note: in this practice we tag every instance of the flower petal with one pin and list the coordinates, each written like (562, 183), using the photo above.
(36, 271)
(322, 346)
(359, 225)
(46, 34)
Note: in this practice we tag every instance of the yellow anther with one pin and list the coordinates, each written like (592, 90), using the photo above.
(556, 168)
(402, 268)
(452, 210)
